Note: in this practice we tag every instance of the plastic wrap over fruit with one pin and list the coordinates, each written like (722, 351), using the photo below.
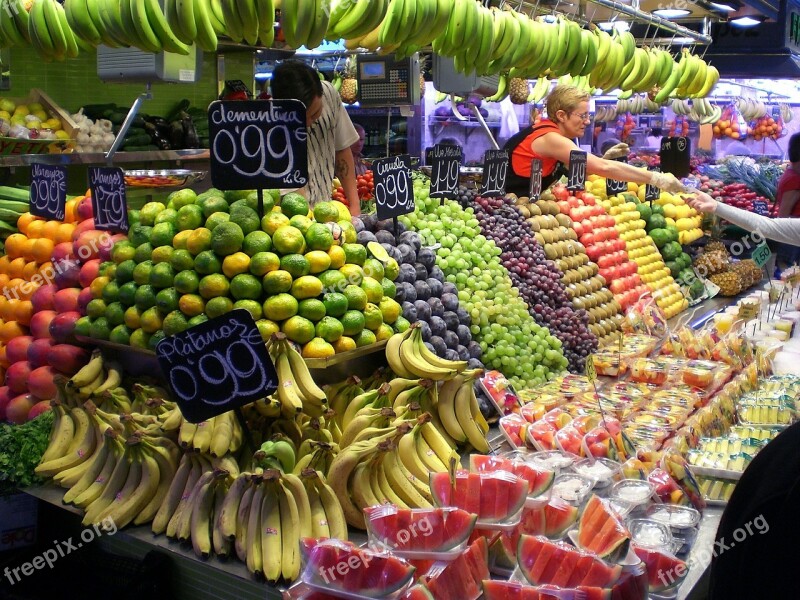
(646, 317)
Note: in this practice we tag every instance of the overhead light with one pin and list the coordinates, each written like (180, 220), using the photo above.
(725, 7)
(745, 22)
(682, 41)
(618, 25)
(671, 13)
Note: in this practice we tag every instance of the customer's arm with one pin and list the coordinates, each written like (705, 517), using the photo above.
(788, 201)
(346, 172)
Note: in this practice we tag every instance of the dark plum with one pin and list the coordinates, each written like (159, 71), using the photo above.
(450, 302)
(437, 273)
(410, 312)
(409, 291)
(449, 288)
(438, 326)
(407, 253)
(422, 272)
(393, 252)
(451, 320)
(425, 329)
(438, 344)
(369, 221)
(463, 353)
(423, 291)
(436, 287)
(364, 237)
(464, 335)
(451, 355)
(358, 224)
(437, 308)
(407, 273)
(463, 317)
(384, 237)
(474, 363)
(412, 239)
(430, 347)
(423, 310)
(451, 339)
(427, 257)
(474, 349)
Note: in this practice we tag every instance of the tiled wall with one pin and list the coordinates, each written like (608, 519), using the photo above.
(74, 82)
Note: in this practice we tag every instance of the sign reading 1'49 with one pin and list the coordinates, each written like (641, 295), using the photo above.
(258, 144)
(445, 170)
(109, 203)
(577, 170)
(495, 171)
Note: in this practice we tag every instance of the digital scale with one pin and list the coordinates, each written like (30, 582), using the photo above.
(384, 81)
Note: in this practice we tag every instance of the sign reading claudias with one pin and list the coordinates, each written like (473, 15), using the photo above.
(394, 189)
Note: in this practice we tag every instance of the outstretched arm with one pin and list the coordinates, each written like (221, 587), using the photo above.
(346, 172)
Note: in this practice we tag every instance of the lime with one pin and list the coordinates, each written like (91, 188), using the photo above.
(256, 241)
(335, 304)
(217, 219)
(143, 252)
(115, 313)
(298, 329)
(401, 324)
(167, 300)
(330, 329)
(390, 309)
(312, 309)
(163, 254)
(349, 235)
(318, 261)
(107, 269)
(214, 285)
(276, 282)
(127, 293)
(245, 287)
(353, 322)
(181, 260)
(343, 344)
(227, 238)
(181, 198)
(218, 306)
(378, 251)
(389, 288)
(302, 222)
(133, 217)
(296, 264)
(247, 202)
(356, 297)
(251, 306)
(125, 271)
(325, 212)
(207, 263)
(266, 328)
(181, 240)
(236, 263)
(356, 253)
(152, 343)
(123, 250)
(186, 282)
(175, 322)
(133, 317)
(139, 339)
(151, 320)
(338, 257)
(267, 198)
(191, 305)
(96, 308)
(294, 204)
(100, 329)
(141, 273)
(374, 268)
(163, 233)
(145, 297)
(245, 217)
(232, 196)
(139, 234)
(391, 269)
(373, 289)
(264, 262)
(280, 307)
(121, 334)
(167, 215)
(365, 338)
(272, 221)
(306, 286)
(199, 319)
(212, 204)
(318, 348)
(198, 240)
(319, 237)
(333, 281)
(352, 273)
(288, 240)
(384, 332)
(162, 275)
(111, 292)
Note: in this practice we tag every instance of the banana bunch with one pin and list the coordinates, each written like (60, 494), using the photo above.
(615, 60)
(279, 453)
(704, 112)
(357, 21)
(318, 456)
(636, 105)
(697, 78)
(406, 25)
(216, 436)
(460, 413)
(409, 358)
(304, 22)
(249, 21)
(540, 89)
(502, 89)
(606, 114)
(297, 391)
(14, 27)
(750, 109)
(95, 378)
(786, 112)
(681, 107)
(48, 30)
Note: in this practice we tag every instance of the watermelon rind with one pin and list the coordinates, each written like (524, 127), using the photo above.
(664, 570)
(601, 531)
(562, 558)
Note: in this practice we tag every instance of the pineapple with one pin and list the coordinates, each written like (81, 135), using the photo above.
(518, 90)
(349, 89)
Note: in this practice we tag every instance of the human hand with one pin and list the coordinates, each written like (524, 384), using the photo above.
(702, 202)
(667, 182)
(617, 151)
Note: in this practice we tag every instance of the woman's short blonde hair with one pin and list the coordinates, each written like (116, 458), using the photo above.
(566, 98)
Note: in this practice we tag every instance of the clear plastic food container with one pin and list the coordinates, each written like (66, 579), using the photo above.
(601, 471)
(652, 534)
(633, 491)
(651, 372)
(572, 488)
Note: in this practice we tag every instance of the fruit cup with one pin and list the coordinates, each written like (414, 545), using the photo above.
(601, 471)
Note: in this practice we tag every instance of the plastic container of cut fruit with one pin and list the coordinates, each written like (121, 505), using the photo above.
(514, 430)
(699, 374)
(555, 460)
(601, 471)
(681, 520)
(610, 363)
(539, 478)
(628, 388)
(542, 436)
(651, 534)
(419, 533)
(645, 370)
(765, 416)
(658, 420)
(572, 488)
(634, 492)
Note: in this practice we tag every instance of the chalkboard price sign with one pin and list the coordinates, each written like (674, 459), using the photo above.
(674, 156)
(651, 192)
(445, 163)
(258, 144)
(109, 204)
(577, 170)
(761, 208)
(217, 366)
(535, 185)
(495, 170)
(614, 186)
(48, 191)
(394, 190)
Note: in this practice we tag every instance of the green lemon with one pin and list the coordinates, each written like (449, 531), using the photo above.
(212, 204)
(319, 237)
(100, 329)
(401, 324)
(335, 304)
(145, 297)
(96, 308)
(218, 306)
(266, 328)
(298, 329)
(111, 292)
(374, 268)
(127, 293)
(125, 271)
(276, 282)
(353, 323)
(227, 238)
(326, 212)
(296, 264)
(251, 306)
(280, 307)
(245, 217)
(306, 286)
(288, 240)
(186, 282)
(255, 242)
(312, 309)
(384, 332)
(389, 288)
(214, 285)
(302, 222)
(294, 204)
(175, 322)
(373, 289)
(181, 198)
(373, 318)
(162, 275)
(356, 297)
(264, 262)
(181, 260)
(139, 338)
(217, 219)
(272, 221)
(133, 316)
(356, 254)
(162, 254)
(189, 217)
(332, 280)
(143, 252)
(207, 263)
(167, 300)
(365, 338)
(123, 250)
(390, 309)
(152, 343)
(349, 235)
(168, 215)
(141, 274)
(246, 287)
(199, 319)
(163, 233)
(115, 313)
(352, 273)
(330, 329)
(121, 334)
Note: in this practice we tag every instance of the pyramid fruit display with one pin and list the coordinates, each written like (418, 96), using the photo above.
(198, 257)
(680, 215)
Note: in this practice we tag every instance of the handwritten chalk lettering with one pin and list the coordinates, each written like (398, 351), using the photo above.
(107, 185)
(535, 186)
(445, 170)
(48, 191)
(394, 190)
(651, 192)
(577, 170)
(495, 171)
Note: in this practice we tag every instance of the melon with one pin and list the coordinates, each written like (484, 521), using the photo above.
(543, 561)
(461, 578)
(511, 590)
(559, 516)
(538, 478)
(602, 531)
(419, 530)
(663, 569)
(494, 497)
(418, 592)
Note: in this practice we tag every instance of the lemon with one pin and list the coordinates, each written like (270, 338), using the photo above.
(127, 293)
(145, 297)
(280, 307)
(298, 329)
(181, 198)
(149, 212)
(152, 320)
(125, 271)
(187, 282)
(141, 273)
(302, 222)
(288, 240)
(251, 306)
(143, 252)
(356, 253)
(330, 329)
(276, 282)
(353, 274)
(373, 289)
(349, 235)
(390, 309)
(365, 338)
(235, 264)
(384, 332)
(121, 334)
(356, 297)
(214, 285)
(296, 264)
(212, 204)
(374, 268)
(272, 221)
(181, 240)
(139, 338)
(306, 286)
(373, 318)
(245, 217)
(162, 275)
(198, 240)
(312, 309)
(401, 324)
(318, 348)
(167, 215)
(266, 328)
(167, 300)
(181, 260)
(325, 212)
(162, 234)
(122, 251)
(343, 344)
(338, 257)
(132, 317)
(162, 254)
(96, 308)
(175, 322)
(318, 261)
(335, 304)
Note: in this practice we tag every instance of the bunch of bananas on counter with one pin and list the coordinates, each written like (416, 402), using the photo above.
(297, 391)
(409, 357)
(460, 413)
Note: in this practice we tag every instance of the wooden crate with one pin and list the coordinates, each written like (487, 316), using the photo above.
(14, 146)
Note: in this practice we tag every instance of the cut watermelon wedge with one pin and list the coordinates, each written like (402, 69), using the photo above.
(539, 479)
(511, 590)
(664, 571)
(497, 497)
(461, 578)
(542, 561)
(559, 516)
(418, 592)
(602, 531)
(421, 532)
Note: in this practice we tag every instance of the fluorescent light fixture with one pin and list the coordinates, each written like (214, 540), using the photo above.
(618, 25)
(327, 46)
(550, 18)
(671, 13)
(720, 6)
(745, 22)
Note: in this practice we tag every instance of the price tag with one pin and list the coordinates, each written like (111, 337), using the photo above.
(217, 366)
(48, 191)
(748, 310)
(495, 170)
(394, 190)
(258, 144)
(674, 156)
(591, 374)
(761, 208)
(109, 204)
(651, 192)
(615, 186)
(761, 254)
(776, 112)
(577, 170)
(535, 185)
(445, 161)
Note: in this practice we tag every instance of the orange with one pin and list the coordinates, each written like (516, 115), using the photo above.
(14, 291)
(24, 312)
(9, 310)
(16, 267)
(4, 279)
(15, 245)
(50, 229)
(35, 228)
(31, 269)
(10, 330)
(4, 262)
(45, 270)
(64, 233)
(70, 210)
(43, 248)
(3, 303)
(3, 359)
(24, 220)
(27, 248)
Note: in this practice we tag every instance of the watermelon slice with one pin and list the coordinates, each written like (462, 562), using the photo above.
(542, 560)
(511, 590)
(538, 478)
(515, 428)
(559, 516)
(461, 578)
(418, 592)
(602, 531)
(599, 444)
(336, 565)
(664, 570)
(632, 585)
(495, 497)
(419, 530)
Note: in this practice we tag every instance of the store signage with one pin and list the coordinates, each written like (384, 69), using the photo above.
(760, 207)
(576, 180)
(761, 254)
(217, 366)
(674, 155)
(394, 190)
(445, 161)
(48, 191)
(535, 185)
(651, 192)
(495, 170)
(258, 144)
(109, 203)
(615, 186)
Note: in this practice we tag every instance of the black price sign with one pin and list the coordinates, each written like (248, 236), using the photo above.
(674, 156)
(394, 190)
(495, 170)
(535, 183)
(614, 186)
(109, 204)
(48, 191)
(577, 170)
(445, 163)
(217, 366)
(258, 144)
(761, 208)
(651, 192)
